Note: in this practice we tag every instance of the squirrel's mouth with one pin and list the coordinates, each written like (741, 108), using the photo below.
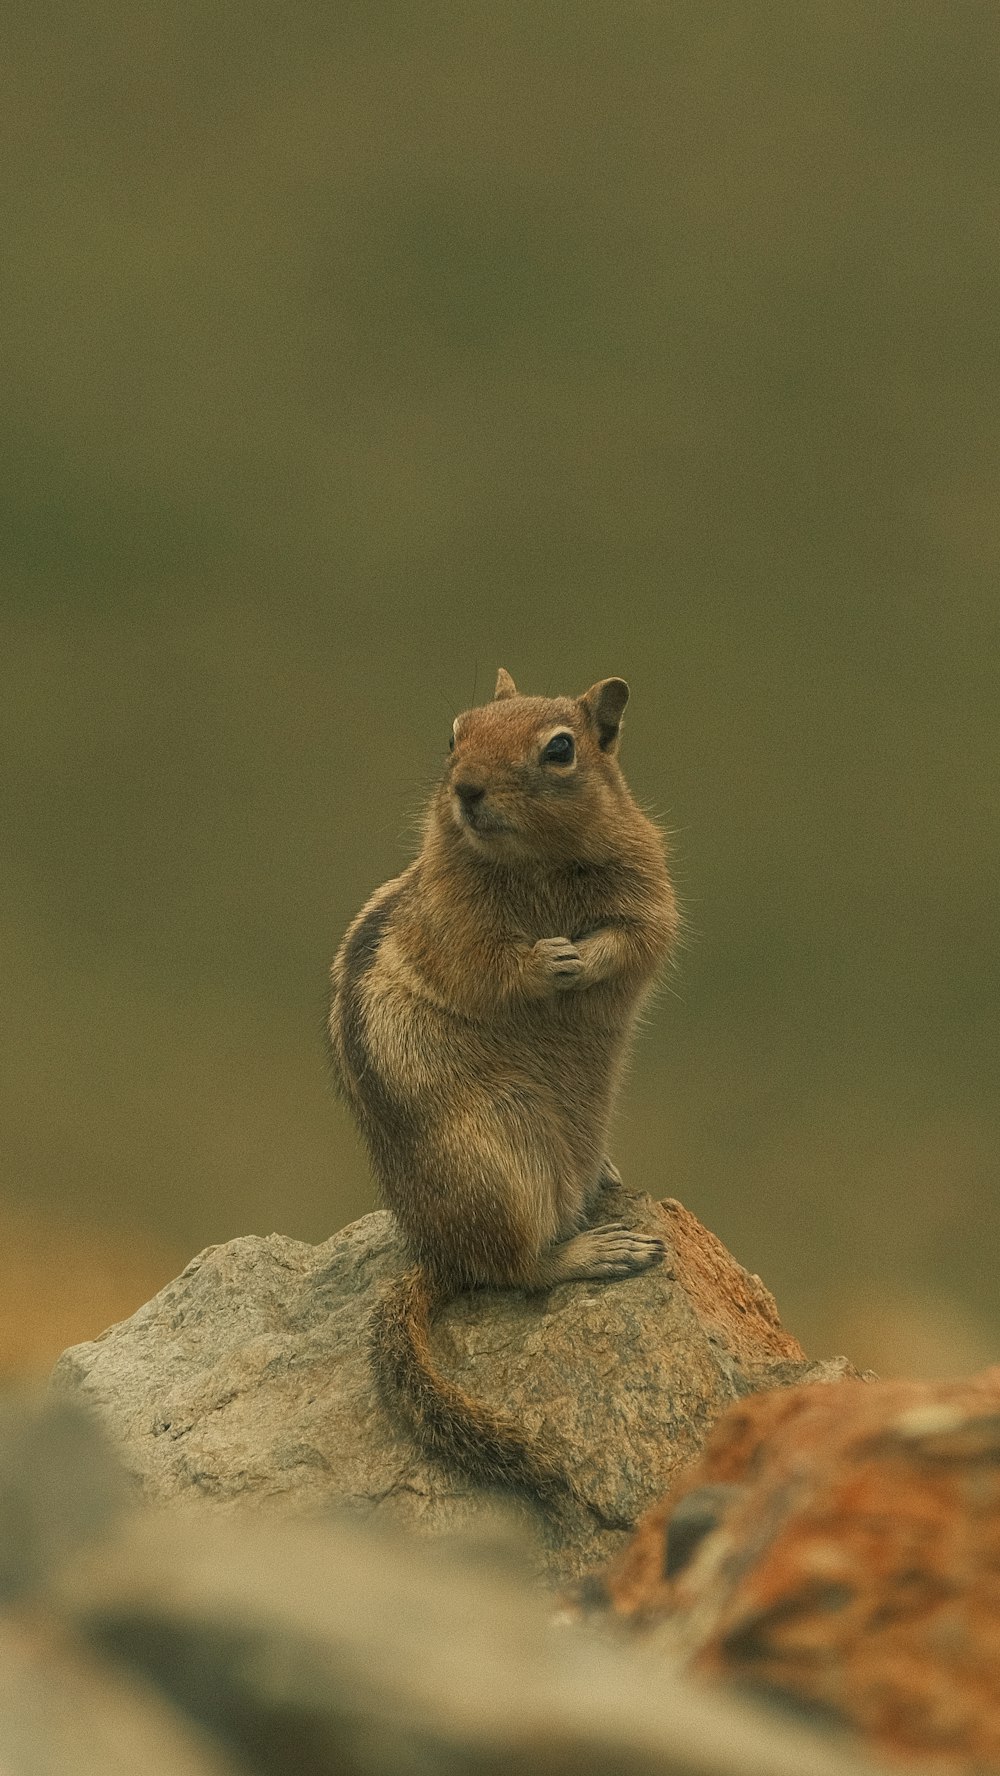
(480, 822)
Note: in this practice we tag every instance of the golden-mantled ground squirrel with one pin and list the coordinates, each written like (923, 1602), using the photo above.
(481, 1006)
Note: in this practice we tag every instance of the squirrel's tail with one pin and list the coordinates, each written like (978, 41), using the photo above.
(445, 1422)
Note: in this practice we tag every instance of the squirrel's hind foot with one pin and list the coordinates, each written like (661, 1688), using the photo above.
(602, 1254)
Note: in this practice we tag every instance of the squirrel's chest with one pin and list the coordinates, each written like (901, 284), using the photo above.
(567, 909)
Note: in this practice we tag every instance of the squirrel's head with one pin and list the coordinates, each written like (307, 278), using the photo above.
(535, 779)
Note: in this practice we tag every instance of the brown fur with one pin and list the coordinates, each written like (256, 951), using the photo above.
(482, 1003)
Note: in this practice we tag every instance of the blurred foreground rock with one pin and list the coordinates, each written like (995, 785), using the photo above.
(196, 1644)
(66, 1711)
(247, 1381)
(318, 1648)
(841, 1548)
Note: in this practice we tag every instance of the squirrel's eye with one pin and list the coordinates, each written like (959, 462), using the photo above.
(559, 750)
(451, 742)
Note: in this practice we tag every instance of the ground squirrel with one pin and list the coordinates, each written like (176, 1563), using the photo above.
(481, 1006)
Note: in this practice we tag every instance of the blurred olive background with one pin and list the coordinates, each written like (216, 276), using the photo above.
(349, 351)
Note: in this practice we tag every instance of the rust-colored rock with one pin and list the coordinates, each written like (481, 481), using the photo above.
(727, 1298)
(841, 1546)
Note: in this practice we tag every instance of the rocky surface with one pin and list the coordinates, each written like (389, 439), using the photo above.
(246, 1380)
(841, 1547)
(182, 1643)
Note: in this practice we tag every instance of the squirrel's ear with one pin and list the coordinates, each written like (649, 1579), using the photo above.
(505, 686)
(605, 704)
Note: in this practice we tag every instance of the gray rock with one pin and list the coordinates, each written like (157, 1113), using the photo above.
(247, 1381)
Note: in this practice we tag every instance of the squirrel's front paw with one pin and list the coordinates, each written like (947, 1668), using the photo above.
(560, 961)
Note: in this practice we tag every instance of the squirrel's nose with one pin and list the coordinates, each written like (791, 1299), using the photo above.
(469, 792)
